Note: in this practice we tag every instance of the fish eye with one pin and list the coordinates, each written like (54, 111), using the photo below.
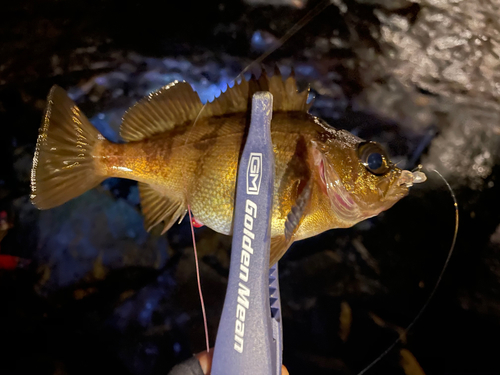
(374, 158)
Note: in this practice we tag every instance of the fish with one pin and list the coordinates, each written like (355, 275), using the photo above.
(184, 154)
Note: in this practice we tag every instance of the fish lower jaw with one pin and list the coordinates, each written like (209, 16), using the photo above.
(395, 193)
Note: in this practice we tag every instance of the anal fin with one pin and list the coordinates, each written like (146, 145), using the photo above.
(158, 208)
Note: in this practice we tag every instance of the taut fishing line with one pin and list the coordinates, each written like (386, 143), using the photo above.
(450, 252)
(198, 280)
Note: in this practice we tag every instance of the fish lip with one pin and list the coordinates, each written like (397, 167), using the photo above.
(405, 178)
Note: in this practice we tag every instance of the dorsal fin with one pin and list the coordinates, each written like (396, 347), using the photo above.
(160, 111)
(177, 103)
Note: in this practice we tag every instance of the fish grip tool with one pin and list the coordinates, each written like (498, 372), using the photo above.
(249, 338)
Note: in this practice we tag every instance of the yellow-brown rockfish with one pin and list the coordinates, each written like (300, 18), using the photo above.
(183, 153)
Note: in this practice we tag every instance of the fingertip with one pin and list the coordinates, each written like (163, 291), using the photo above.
(205, 360)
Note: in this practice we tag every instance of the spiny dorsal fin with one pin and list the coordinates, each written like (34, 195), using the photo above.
(160, 111)
(237, 98)
(177, 103)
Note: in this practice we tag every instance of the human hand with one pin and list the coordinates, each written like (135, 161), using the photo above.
(205, 360)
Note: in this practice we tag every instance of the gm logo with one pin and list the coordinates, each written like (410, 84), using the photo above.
(254, 173)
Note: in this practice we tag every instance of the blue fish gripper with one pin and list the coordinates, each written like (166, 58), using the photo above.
(249, 338)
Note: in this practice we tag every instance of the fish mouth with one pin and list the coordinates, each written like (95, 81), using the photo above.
(406, 179)
(391, 193)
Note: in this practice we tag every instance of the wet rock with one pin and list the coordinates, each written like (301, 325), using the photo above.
(440, 69)
(91, 235)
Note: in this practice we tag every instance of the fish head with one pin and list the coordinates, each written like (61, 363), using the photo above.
(358, 176)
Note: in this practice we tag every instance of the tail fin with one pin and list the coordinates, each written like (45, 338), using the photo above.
(63, 166)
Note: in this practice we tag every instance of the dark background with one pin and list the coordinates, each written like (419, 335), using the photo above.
(94, 293)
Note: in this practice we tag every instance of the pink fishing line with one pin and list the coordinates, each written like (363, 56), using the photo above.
(198, 278)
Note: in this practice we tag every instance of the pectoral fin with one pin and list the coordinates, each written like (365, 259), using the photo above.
(279, 246)
(296, 214)
(157, 208)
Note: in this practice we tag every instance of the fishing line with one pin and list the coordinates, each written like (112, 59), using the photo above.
(291, 32)
(198, 279)
(452, 247)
